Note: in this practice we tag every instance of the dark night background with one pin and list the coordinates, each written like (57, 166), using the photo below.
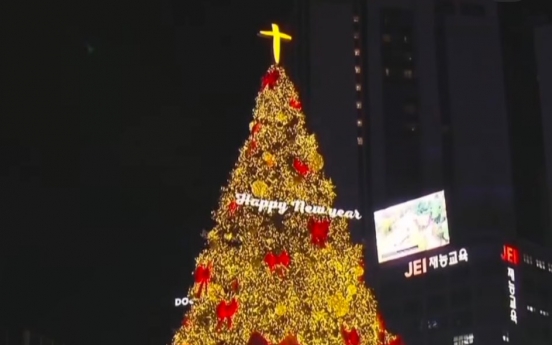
(121, 122)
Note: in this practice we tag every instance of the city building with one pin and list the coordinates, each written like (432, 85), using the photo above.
(412, 97)
(543, 53)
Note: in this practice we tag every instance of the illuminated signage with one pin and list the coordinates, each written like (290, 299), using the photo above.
(412, 227)
(299, 206)
(511, 256)
(421, 266)
(183, 301)
(512, 293)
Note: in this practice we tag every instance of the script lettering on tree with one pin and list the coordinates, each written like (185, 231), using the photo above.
(298, 206)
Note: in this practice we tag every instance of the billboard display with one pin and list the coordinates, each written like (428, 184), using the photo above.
(412, 227)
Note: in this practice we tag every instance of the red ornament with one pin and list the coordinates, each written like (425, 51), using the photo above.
(186, 322)
(277, 262)
(257, 339)
(252, 147)
(256, 128)
(232, 207)
(226, 312)
(382, 329)
(202, 277)
(270, 79)
(319, 230)
(235, 285)
(350, 337)
(300, 167)
(295, 104)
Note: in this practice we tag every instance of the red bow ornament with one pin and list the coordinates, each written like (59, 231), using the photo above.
(300, 167)
(319, 230)
(350, 337)
(226, 312)
(295, 104)
(270, 79)
(202, 277)
(232, 207)
(277, 262)
(257, 339)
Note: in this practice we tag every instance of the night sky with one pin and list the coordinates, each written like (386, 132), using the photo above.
(125, 121)
(120, 124)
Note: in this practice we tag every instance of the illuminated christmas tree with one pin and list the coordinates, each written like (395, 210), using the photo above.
(280, 267)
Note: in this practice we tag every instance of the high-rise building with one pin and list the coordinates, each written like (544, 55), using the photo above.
(543, 54)
(409, 98)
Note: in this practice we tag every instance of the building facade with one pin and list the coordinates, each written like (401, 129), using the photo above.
(408, 98)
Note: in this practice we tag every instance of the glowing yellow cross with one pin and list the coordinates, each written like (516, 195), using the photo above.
(276, 37)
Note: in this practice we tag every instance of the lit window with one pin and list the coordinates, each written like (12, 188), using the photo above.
(386, 38)
(405, 39)
(408, 73)
(527, 259)
(531, 308)
(463, 339)
(359, 140)
(544, 313)
(387, 72)
(506, 337)
(358, 88)
(356, 35)
(359, 123)
(359, 105)
(357, 52)
(549, 267)
(408, 56)
(541, 264)
(357, 69)
(355, 19)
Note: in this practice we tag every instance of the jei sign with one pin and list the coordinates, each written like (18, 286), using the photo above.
(421, 266)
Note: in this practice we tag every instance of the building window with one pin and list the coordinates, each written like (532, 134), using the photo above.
(386, 38)
(387, 72)
(474, 10)
(356, 35)
(357, 69)
(408, 57)
(355, 19)
(357, 52)
(359, 105)
(541, 264)
(406, 39)
(544, 313)
(549, 267)
(358, 87)
(527, 259)
(359, 140)
(463, 339)
(408, 73)
(531, 308)
(506, 337)
(359, 123)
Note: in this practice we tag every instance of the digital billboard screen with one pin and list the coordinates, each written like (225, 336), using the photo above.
(412, 227)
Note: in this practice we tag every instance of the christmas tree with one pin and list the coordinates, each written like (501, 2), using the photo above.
(280, 267)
